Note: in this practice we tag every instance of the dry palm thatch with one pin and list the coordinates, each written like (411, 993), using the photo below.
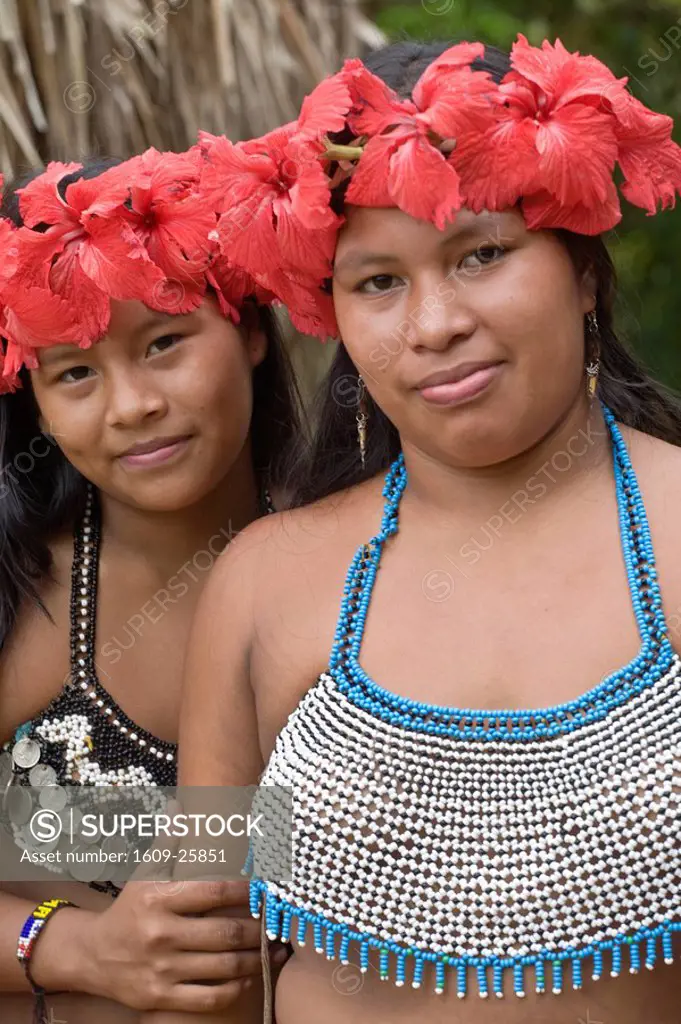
(82, 78)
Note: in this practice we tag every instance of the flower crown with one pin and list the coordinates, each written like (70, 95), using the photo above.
(141, 230)
(548, 137)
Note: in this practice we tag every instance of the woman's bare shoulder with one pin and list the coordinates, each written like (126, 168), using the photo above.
(657, 463)
(335, 524)
(34, 662)
(288, 566)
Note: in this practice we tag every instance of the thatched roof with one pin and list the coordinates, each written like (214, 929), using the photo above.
(111, 77)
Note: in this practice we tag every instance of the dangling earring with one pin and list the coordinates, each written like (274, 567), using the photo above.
(361, 419)
(594, 366)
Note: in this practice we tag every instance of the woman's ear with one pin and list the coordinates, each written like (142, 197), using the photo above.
(589, 290)
(255, 337)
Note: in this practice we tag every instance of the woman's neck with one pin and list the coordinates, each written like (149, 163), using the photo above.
(168, 540)
(570, 452)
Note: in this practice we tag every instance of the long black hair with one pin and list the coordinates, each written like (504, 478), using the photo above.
(41, 493)
(332, 462)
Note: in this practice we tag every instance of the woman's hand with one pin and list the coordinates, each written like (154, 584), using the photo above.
(145, 952)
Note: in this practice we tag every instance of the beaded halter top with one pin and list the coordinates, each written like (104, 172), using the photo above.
(540, 842)
(83, 737)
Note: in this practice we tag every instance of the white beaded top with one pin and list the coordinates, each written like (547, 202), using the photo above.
(485, 841)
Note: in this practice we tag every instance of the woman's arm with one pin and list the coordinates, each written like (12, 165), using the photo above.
(60, 961)
(218, 738)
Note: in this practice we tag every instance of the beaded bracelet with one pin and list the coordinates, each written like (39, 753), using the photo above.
(30, 933)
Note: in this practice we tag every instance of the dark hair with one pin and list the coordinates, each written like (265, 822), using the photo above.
(49, 496)
(332, 462)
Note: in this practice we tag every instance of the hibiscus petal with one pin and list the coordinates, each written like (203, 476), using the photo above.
(635, 123)
(178, 240)
(234, 286)
(39, 200)
(36, 317)
(461, 102)
(456, 57)
(369, 183)
(14, 357)
(499, 165)
(101, 195)
(652, 174)
(232, 174)
(578, 150)
(310, 309)
(117, 262)
(423, 183)
(544, 211)
(71, 283)
(326, 107)
(321, 323)
(37, 250)
(172, 175)
(311, 198)
(273, 143)
(9, 247)
(248, 238)
(538, 65)
(565, 77)
(302, 250)
(375, 105)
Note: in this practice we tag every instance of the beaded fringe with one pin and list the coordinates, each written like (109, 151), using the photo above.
(628, 953)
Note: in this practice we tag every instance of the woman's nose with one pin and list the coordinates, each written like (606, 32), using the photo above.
(439, 317)
(132, 398)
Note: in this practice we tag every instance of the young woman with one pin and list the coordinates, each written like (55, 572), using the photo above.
(127, 466)
(480, 718)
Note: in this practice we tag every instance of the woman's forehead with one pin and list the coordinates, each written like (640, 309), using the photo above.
(371, 226)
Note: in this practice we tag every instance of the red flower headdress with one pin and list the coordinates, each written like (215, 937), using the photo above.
(548, 136)
(140, 230)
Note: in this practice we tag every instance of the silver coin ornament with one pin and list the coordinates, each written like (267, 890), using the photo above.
(26, 753)
(53, 798)
(19, 804)
(42, 775)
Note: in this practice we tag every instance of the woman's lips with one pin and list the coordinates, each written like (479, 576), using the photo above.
(451, 393)
(159, 455)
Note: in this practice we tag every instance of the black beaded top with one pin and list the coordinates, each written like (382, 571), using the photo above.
(82, 737)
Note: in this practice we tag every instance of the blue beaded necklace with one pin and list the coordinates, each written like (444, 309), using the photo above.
(655, 655)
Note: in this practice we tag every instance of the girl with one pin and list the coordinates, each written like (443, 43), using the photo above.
(127, 466)
(480, 718)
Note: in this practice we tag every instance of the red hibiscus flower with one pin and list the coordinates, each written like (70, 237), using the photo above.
(173, 222)
(401, 164)
(276, 221)
(85, 252)
(27, 315)
(554, 139)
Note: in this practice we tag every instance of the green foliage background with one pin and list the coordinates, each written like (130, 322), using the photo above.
(638, 40)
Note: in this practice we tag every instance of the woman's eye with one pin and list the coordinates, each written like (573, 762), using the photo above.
(75, 373)
(165, 342)
(378, 283)
(484, 254)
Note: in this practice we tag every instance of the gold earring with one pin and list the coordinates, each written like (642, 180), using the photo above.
(593, 367)
(361, 419)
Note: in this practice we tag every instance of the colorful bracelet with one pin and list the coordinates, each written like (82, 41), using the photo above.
(30, 933)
